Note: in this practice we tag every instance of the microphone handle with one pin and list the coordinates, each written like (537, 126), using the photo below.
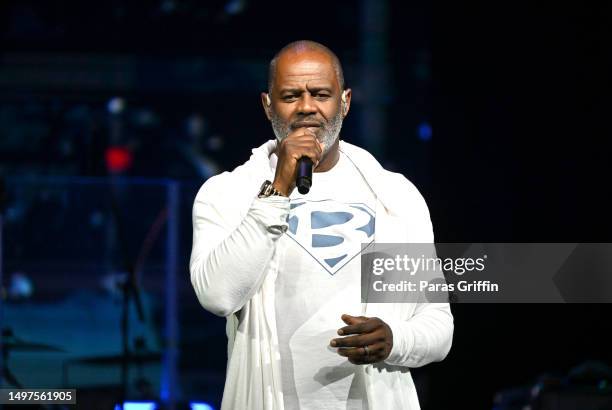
(303, 181)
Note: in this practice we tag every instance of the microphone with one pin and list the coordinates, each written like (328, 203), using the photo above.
(303, 180)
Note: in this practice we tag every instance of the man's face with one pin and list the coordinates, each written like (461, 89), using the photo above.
(306, 94)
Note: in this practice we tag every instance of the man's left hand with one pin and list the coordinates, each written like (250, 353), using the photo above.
(368, 331)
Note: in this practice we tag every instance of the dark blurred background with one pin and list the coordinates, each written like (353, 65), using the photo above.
(112, 114)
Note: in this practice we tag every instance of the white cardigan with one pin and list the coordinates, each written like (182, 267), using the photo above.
(234, 265)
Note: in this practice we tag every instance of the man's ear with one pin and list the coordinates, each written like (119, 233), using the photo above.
(346, 101)
(266, 102)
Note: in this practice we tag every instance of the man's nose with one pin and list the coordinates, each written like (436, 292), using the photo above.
(306, 105)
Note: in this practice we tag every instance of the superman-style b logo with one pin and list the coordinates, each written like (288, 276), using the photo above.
(331, 232)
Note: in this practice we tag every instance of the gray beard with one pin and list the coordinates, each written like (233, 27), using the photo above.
(327, 134)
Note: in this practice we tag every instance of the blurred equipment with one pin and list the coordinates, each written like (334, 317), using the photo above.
(12, 343)
(197, 149)
(140, 356)
(586, 387)
(136, 358)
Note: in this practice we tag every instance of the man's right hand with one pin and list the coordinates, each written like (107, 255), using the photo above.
(300, 143)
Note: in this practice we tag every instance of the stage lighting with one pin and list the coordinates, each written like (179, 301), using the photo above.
(424, 132)
(137, 405)
(115, 105)
(200, 406)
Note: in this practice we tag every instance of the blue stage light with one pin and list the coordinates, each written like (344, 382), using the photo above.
(201, 406)
(137, 405)
(424, 131)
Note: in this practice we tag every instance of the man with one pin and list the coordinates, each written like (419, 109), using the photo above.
(283, 268)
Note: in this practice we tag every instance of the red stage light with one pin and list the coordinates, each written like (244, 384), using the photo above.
(118, 159)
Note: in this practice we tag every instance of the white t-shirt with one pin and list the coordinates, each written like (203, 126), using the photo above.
(318, 281)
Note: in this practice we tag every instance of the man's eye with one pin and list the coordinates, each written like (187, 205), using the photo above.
(322, 96)
(288, 97)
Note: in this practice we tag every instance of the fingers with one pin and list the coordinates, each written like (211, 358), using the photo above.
(307, 150)
(321, 145)
(306, 131)
(371, 332)
(358, 324)
(349, 320)
(357, 355)
(359, 352)
(300, 145)
(357, 341)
